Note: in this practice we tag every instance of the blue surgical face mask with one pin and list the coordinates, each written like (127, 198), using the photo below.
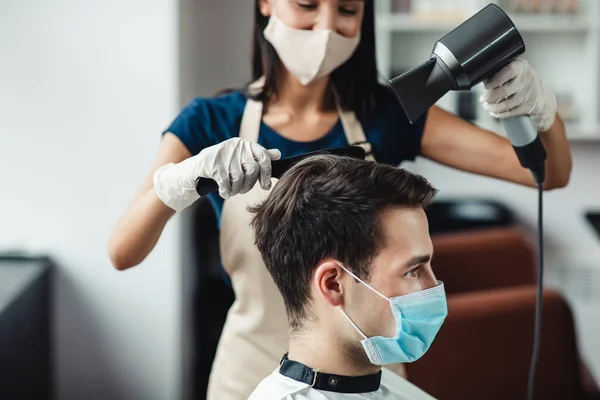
(418, 316)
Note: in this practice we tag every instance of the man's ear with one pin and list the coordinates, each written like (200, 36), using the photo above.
(327, 281)
(265, 7)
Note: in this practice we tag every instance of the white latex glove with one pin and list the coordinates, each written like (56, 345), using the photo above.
(517, 90)
(235, 164)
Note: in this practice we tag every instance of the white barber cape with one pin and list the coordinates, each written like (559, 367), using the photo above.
(279, 387)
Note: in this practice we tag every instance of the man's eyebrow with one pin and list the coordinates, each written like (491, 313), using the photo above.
(416, 260)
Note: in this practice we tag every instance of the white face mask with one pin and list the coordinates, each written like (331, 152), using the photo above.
(309, 54)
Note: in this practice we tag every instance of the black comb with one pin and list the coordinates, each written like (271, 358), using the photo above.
(206, 186)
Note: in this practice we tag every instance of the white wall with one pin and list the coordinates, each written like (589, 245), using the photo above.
(86, 87)
(215, 46)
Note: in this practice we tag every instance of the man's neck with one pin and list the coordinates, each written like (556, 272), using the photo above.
(300, 99)
(328, 355)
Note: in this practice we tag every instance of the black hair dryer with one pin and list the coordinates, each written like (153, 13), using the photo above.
(471, 53)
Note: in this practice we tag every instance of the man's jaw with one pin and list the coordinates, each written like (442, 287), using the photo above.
(357, 359)
(331, 353)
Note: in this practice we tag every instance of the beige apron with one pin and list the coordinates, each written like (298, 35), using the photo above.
(255, 334)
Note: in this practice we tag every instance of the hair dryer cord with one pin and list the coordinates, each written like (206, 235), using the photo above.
(539, 303)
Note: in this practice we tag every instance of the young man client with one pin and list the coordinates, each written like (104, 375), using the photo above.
(347, 244)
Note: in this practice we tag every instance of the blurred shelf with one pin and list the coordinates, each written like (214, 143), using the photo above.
(525, 23)
(579, 134)
(575, 133)
(580, 138)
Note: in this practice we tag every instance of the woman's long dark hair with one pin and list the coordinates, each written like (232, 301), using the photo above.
(356, 81)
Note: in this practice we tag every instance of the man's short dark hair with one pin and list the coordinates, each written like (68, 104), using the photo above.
(328, 207)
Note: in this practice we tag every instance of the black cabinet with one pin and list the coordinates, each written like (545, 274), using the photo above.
(25, 329)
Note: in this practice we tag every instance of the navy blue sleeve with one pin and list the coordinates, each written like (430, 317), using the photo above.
(393, 137)
(207, 121)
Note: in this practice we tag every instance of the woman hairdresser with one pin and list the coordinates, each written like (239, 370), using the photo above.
(315, 87)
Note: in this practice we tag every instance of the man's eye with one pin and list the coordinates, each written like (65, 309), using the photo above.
(413, 272)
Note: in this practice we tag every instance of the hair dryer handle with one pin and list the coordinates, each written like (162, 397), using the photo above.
(527, 144)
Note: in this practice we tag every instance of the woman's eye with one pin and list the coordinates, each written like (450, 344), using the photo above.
(308, 6)
(347, 11)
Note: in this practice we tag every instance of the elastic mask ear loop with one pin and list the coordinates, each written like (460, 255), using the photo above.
(361, 281)
(353, 324)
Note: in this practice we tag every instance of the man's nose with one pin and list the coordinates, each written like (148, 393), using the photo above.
(429, 279)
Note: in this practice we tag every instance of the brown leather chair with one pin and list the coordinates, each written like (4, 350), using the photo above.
(484, 259)
(484, 349)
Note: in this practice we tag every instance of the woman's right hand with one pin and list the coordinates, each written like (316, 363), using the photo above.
(173, 188)
(235, 164)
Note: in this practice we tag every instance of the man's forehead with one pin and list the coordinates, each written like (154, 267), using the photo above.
(405, 222)
(406, 232)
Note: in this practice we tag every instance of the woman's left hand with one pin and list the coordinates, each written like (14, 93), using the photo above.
(517, 90)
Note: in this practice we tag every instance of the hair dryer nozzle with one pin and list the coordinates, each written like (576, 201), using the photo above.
(415, 91)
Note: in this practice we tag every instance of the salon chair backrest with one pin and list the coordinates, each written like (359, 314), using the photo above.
(484, 259)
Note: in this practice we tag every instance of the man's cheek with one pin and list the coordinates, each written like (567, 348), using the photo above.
(384, 322)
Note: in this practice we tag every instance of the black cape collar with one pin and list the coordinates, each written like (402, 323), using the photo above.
(331, 383)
